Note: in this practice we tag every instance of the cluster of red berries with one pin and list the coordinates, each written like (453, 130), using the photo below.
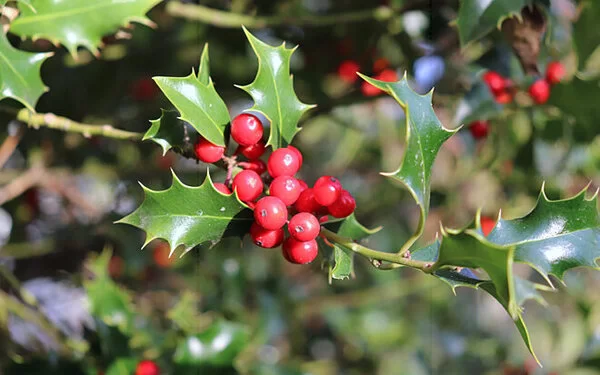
(504, 89)
(347, 72)
(287, 195)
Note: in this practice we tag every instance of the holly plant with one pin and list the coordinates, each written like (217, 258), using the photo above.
(253, 167)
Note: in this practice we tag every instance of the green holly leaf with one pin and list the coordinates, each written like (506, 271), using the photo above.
(198, 103)
(190, 215)
(425, 134)
(476, 18)
(273, 91)
(344, 258)
(108, 301)
(218, 345)
(577, 101)
(168, 131)
(20, 74)
(555, 236)
(586, 35)
(77, 23)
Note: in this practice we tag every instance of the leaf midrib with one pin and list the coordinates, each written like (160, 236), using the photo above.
(21, 78)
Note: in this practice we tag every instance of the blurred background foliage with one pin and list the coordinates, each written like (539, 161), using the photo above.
(78, 296)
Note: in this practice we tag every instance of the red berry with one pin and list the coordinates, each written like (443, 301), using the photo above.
(323, 219)
(257, 166)
(144, 89)
(540, 91)
(304, 226)
(555, 72)
(479, 129)
(147, 368)
(368, 89)
(283, 162)
(286, 188)
(246, 129)
(248, 185)
(207, 151)
(327, 189)
(303, 185)
(254, 151)
(300, 157)
(270, 213)
(300, 252)
(504, 97)
(495, 81)
(264, 237)
(347, 71)
(487, 224)
(380, 64)
(222, 188)
(306, 202)
(387, 75)
(343, 206)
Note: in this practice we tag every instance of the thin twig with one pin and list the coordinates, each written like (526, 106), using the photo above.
(21, 184)
(10, 143)
(221, 18)
(50, 120)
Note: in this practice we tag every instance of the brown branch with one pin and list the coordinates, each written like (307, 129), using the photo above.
(10, 143)
(21, 184)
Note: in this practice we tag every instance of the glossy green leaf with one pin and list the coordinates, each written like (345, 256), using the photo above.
(199, 104)
(77, 23)
(190, 216)
(273, 91)
(204, 68)
(577, 101)
(108, 301)
(20, 74)
(122, 366)
(476, 18)
(218, 345)
(344, 258)
(425, 134)
(586, 34)
(555, 236)
(166, 131)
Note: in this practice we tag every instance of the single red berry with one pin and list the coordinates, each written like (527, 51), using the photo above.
(323, 219)
(257, 166)
(222, 188)
(144, 89)
(270, 213)
(283, 162)
(327, 189)
(147, 368)
(304, 226)
(504, 97)
(347, 71)
(380, 64)
(368, 89)
(540, 91)
(207, 151)
(254, 151)
(387, 75)
(343, 206)
(303, 185)
(555, 72)
(266, 238)
(248, 185)
(286, 188)
(494, 81)
(300, 157)
(479, 129)
(306, 202)
(487, 224)
(299, 252)
(246, 129)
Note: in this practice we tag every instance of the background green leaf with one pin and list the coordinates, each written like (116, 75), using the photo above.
(189, 216)
(476, 18)
(168, 131)
(273, 91)
(77, 23)
(20, 74)
(586, 34)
